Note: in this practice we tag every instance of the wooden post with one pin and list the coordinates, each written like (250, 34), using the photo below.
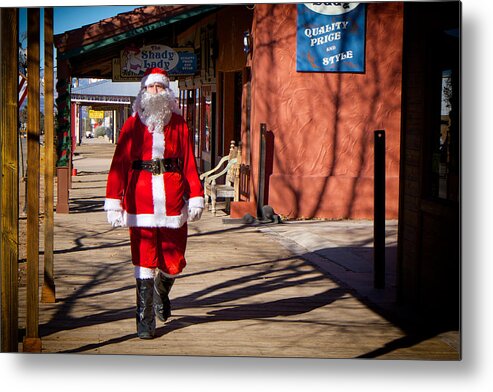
(62, 200)
(73, 116)
(32, 343)
(48, 290)
(261, 172)
(379, 211)
(63, 136)
(114, 126)
(9, 257)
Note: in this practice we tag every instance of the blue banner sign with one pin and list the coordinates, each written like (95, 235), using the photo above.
(331, 37)
(187, 64)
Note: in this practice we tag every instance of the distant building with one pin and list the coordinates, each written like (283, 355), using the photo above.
(115, 99)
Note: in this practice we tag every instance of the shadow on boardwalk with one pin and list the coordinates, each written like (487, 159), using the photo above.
(217, 297)
(243, 293)
(279, 308)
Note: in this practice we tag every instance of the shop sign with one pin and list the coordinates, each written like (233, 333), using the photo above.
(331, 37)
(96, 114)
(135, 61)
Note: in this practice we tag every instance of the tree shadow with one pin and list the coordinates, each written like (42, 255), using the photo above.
(247, 286)
(266, 310)
(86, 204)
(416, 324)
(265, 276)
(250, 285)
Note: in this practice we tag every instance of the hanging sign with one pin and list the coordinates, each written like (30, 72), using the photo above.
(96, 114)
(331, 37)
(135, 61)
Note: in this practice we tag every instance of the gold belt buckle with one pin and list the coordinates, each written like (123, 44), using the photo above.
(157, 166)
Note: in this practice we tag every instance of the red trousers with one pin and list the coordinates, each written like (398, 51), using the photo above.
(159, 247)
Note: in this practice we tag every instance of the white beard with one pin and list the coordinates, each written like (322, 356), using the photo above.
(155, 110)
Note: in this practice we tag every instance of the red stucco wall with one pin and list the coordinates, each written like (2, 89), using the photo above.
(322, 123)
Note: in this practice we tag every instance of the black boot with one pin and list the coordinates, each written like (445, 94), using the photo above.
(162, 287)
(146, 323)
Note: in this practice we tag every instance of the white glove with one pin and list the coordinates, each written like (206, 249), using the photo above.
(194, 213)
(115, 218)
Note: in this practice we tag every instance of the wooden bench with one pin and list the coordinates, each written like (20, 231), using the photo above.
(229, 165)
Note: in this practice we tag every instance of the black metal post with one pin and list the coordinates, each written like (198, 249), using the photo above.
(261, 172)
(379, 211)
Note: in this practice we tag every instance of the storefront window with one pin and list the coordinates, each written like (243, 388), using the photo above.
(238, 91)
(441, 152)
(196, 128)
(445, 143)
(208, 123)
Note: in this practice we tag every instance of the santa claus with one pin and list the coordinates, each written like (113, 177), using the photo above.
(154, 189)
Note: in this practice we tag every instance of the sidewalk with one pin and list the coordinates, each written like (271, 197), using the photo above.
(344, 250)
(297, 289)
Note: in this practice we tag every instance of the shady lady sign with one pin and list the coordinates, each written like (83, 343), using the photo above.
(331, 37)
(134, 61)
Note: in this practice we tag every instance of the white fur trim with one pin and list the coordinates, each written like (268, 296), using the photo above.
(158, 195)
(113, 205)
(157, 145)
(156, 220)
(196, 202)
(154, 78)
(144, 272)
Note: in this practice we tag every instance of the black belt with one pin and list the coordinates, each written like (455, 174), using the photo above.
(158, 166)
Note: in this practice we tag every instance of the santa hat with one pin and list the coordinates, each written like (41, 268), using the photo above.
(155, 75)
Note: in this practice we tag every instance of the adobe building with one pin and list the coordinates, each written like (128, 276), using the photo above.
(319, 124)
(319, 82)
(322, 123)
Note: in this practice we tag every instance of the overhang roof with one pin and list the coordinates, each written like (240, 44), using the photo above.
(123, 26)
(108, 88)
(90, 48)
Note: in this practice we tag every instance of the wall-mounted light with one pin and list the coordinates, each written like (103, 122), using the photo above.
(247, 42)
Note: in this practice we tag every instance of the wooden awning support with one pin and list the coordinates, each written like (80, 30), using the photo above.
(32, 342)
(48, 290)
(9, 171)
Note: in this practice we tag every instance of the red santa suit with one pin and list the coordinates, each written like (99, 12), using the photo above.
(155, 207)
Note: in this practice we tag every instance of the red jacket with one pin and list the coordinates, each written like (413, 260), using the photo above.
(149, 200)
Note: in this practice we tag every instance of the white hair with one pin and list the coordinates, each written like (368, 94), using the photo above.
(155, 110)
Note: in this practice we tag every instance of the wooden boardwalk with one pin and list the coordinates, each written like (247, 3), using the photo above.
(242, 294)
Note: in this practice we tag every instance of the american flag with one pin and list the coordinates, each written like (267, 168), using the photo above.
(22, 88)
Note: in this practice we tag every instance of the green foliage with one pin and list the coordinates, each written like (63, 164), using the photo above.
(100, 131)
